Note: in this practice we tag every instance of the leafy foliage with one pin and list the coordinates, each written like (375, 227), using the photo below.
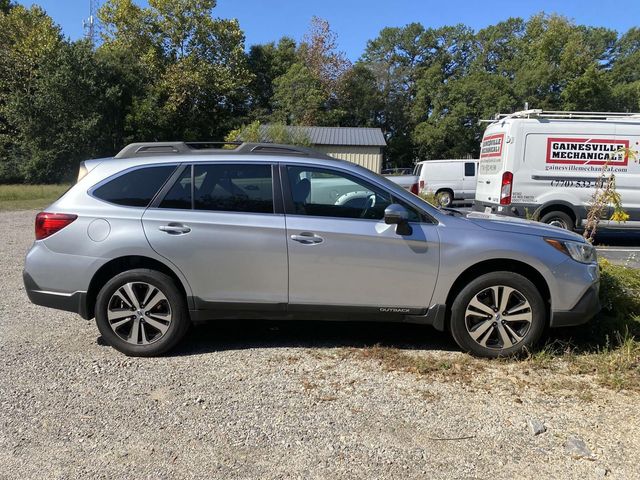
(172, 70)
(274, 132)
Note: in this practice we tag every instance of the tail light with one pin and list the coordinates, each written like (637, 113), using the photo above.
(49, 223)
(421, 185)
(414, 189)
(505, 190)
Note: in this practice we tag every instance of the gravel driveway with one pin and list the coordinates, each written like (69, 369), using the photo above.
(278, 400)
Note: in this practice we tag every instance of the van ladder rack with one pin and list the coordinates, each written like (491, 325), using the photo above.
(562, 114)
(149, 149)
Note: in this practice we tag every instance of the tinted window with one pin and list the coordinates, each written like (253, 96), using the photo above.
(135, 188)
(469, 169)
(327, 193)
(180, 194)
(233, 188)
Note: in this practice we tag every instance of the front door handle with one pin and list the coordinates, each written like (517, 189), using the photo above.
(307, 238)
(174, 229)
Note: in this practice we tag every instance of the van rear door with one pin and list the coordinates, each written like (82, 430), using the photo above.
(492, 165)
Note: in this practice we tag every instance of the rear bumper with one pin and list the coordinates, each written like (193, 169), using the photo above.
(70, 302)
(586, 308)
(522, 210)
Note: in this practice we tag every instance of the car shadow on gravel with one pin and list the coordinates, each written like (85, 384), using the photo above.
(244, 334)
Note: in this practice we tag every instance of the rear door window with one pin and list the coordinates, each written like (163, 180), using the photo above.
(135, 188)
(233, 188)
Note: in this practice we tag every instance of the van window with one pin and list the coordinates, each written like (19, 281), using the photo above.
(135, 188)
(417, 170)
(233, 188)
(469, 169)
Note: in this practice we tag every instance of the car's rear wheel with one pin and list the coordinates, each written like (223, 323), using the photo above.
(498, 314)
(141, 313)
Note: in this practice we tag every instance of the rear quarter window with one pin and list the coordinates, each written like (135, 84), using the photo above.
(135, 188)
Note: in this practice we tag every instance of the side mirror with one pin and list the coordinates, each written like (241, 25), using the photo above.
(396, 214)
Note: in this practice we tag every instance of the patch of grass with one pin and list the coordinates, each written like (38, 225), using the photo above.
(29, 197)
(460, 368)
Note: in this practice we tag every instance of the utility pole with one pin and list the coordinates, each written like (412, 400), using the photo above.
(89, 24)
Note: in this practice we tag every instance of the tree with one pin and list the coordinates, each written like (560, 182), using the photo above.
(319, 52)
(358, 102)
(624, 73)
(268, 62)
(394, 57)
(195, 72)
(274, 132)
(554, 53)
(64, 120)
(298, 97)
(6, 6)
(27, 38)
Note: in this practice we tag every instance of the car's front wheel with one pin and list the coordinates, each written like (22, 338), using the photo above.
(141, 313)
(498, 314)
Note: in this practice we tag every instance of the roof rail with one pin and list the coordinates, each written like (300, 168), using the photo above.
(148, 149)
(564, 114)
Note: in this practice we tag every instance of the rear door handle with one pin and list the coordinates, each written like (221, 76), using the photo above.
(174, 229)
(307, 238)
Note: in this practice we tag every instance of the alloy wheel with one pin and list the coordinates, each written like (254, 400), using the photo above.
(498, 317)
(139, 313)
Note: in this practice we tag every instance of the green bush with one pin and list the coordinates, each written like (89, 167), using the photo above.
(620, 294)
(618, 322)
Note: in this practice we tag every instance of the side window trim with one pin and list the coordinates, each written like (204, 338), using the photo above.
(92, 189)
(287, 198)
(276, 186)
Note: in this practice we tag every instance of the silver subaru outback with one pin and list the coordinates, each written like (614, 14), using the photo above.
(164, 235)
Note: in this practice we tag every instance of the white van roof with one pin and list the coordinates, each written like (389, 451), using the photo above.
(566, 115)
(448, 160)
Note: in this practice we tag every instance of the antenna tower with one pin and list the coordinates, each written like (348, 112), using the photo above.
(89, 24)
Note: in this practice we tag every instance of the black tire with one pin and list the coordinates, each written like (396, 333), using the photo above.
(174, 303)
(480, 290)
(445, 198)
(558, 219)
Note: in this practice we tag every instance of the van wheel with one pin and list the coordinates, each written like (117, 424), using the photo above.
(558, 219)
(141, 313)
(445, 198)
(498, 314)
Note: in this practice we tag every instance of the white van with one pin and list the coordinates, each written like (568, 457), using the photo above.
(450, 180)
(546, 164)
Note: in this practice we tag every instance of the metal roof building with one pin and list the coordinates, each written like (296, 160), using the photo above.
(354, 144)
